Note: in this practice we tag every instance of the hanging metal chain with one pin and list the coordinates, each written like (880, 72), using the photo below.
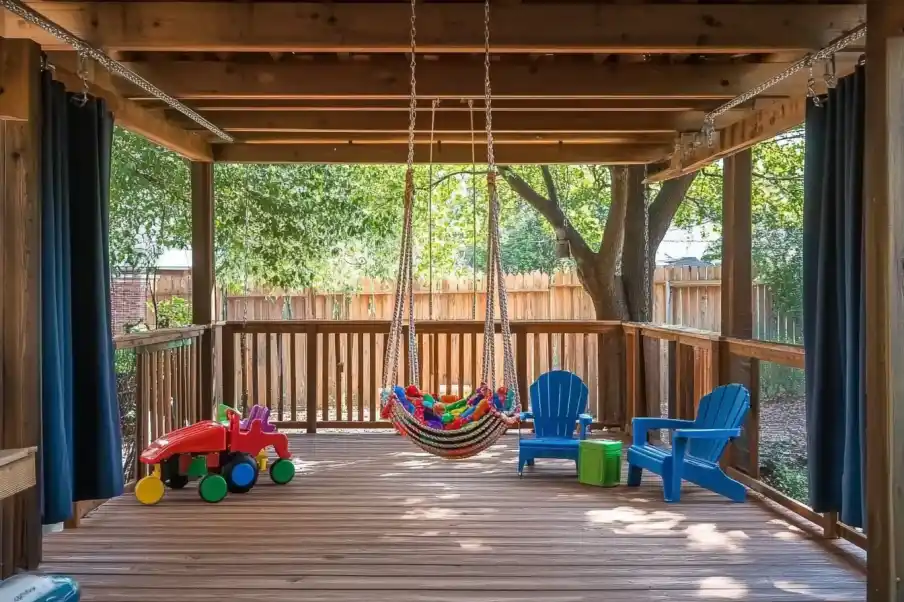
(404, 274)
(823, 54)
(244, 342)
(473, 211)
(434, 105)
(37, 19)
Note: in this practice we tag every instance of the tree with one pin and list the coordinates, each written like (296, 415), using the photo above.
(613, 246)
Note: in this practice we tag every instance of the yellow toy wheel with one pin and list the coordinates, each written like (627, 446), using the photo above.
(149, 490)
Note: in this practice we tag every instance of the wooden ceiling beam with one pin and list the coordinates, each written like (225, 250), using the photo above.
(151, 124)
(500, 105)
(451, 138)
(513, 154)
(455, 79)
(443, 27)
(508, 122)
(764, 124)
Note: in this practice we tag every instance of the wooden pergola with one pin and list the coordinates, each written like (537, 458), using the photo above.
(577, 82)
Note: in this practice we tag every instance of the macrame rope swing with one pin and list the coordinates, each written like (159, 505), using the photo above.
(465, 427)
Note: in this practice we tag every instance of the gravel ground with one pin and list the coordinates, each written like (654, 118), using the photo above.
(783, 425)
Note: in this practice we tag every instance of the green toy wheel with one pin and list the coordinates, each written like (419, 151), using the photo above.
(212, 488)
(282, 471)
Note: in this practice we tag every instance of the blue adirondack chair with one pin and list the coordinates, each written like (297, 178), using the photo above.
(557, 401)
(697, 446)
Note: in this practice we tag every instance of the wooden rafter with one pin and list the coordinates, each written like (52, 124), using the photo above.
(524, 138)
(456, 79)
(453, 153)
(152, 125)
(444, 27)
(507, 122)
(761, 125)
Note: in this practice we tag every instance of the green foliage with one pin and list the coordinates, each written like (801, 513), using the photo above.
(172, 313)
(777, 215)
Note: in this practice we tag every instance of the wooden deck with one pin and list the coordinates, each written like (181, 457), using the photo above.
(370, 518)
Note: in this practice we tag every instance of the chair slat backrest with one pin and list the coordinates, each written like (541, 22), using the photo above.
(724, 408)
(557, 398)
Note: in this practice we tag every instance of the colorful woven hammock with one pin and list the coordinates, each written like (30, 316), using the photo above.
(468, 426)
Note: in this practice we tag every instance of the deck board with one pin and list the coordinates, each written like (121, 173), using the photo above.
(371, 517)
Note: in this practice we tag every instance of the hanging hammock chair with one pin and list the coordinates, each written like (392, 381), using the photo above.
(470, 425)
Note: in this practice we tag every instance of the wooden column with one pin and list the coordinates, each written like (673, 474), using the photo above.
(202, 275)
(884, 235)
(20, 300)
(737, 299)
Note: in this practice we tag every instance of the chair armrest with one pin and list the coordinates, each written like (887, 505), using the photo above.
(585, 421)
(706, 433)
(640, 426)
(526, 415)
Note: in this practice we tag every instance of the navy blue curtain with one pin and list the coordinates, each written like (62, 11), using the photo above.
(834, 299)
(81, 441)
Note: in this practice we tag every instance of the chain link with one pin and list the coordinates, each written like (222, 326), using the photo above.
(37, 19)
(412, 101)
(433, 106)
(473, 211)
(823, 54)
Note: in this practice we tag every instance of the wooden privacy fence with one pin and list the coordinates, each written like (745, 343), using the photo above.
(328, 373)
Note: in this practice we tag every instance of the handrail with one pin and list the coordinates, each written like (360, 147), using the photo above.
(152, 337)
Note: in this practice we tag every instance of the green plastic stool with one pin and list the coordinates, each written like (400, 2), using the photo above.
(599, 462)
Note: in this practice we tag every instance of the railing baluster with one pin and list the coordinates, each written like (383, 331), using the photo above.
(349, 374)
(293, 377)
(372, 392)
(461, 364)
(325, 377)
(359, 375)
(254, 396)
(337, 376)
(310, 351)
(268, 370)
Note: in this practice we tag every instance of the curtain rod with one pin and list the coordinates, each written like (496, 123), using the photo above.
(86, 50)
(822, 54)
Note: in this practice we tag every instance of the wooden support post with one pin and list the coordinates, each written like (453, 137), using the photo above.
(311, 378)
(737, 300)
(884, 234)
(202, 276)
(20, 300)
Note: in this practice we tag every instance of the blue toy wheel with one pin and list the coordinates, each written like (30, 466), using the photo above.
(240, 472)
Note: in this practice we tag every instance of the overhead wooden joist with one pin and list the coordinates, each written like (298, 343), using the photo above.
(506, 122)
(665, 140)
(763, 124)
(552, 27)
(569, 105)
(152, 125)
(456, 78)
(452, 153)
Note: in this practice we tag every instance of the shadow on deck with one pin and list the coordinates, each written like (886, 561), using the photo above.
(370, 517)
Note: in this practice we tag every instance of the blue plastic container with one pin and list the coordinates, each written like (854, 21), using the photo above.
(30, 587)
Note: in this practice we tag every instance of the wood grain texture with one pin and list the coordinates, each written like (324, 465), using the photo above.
(370, 516)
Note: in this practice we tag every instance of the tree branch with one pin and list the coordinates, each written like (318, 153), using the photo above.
(550, 184)
(551, 211)
(664, 207)
(614, 231)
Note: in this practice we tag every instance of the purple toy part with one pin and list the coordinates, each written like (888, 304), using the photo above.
(261, 413)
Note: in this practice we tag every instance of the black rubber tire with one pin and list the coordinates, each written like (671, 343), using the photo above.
(233, 461)
(171, 476)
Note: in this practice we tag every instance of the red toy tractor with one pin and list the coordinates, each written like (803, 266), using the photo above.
(225, 457)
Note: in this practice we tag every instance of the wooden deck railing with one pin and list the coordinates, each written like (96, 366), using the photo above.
(697, 362)
(327, 373)
(158, 388)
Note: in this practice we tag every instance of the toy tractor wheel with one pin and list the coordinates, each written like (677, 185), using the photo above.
(282, 471)
(149, 490)
(212, 488)
(240, 472)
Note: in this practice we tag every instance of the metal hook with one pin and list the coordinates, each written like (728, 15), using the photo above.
(811, 89)
(830, 76)
(82, 73)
